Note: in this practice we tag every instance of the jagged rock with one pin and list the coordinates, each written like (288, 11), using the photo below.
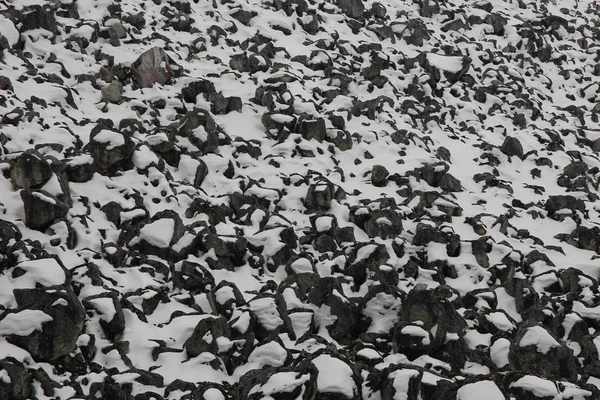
(41, 208)
(30, 171)
(562, 202)
(201, 129)
(17, 381)
(206, 336)
(160, 236)
(65, 317)
(151, 67)
(329, 292)
(110, 149)
(535, 350)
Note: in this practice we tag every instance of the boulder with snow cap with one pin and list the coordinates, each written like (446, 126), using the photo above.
(42, 208)
(535, 350)
(48, 319)
(110, 149)
(151, 67)
(31, 170)
(160, 235)
(206, 335)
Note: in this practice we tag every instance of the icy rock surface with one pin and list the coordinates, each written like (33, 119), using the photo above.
(299, 199)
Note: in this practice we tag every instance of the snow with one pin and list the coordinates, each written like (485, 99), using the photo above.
(401, 379)
(266, 311)
(23, 323)
(335, 376)
(159, 232)
(110, 138)
(478, 390)
(539, 337)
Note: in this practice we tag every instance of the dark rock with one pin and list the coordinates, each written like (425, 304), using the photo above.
(206, 335)
(379, 175)
(201, 129)
(512, 147)
(535, 350)
(450, 184)
(561, 202)
(113, 324)
(352, 8)
(42, 209)
(328, 291)
(151, 67)
(31, 170)
(112, 93)
(18, 386)
(197, 87)
(110, 149)
(575, 169)
(59, 336)
(193, 277)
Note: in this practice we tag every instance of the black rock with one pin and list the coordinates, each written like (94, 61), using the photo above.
(59, 336)
(30, 171)
(379, 175)
(110, 149)
(206, 335)
(42, 209)
(18, 386)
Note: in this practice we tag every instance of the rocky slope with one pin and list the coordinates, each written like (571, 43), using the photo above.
(299, 199)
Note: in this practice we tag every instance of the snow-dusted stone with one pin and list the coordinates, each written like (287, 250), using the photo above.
(352, 8)
(535, 350)
(563, 202)
(9, 234)
(297, 382)
(477, 390)
(271, 315)
(336, 377)
(338, 315)
(110, 149)
(225, 297)
(15, 380)
(108, 307)
(36, 17)
(193, 277)
(412, 340)
(42, 208)
(311, 128)
(30, 171)
(201, 129)
(152, 67)
(160, 235)
(320, 195)
(210, 335)
(379, 175)
(380, 311)
(278, 126)
(378, 219)
(63, 318)
(364, 259)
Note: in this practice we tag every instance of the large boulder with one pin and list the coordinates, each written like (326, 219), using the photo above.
(42, 208)
(31, 170)
(151, 67)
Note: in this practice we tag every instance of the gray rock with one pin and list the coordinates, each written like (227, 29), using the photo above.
(151, 67)
(450, 184)
(112, 92)
(31, 170)
(379, 175)
(560, 202)
(312, 129)
(352, 8)
(114, 324)
(512, 147)
(42, 208)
